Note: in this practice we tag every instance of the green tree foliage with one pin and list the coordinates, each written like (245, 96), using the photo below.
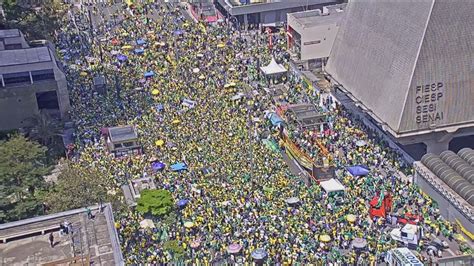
(39, 22)
(22, 167)
(77, 187)
(173, 247)
(157, 202)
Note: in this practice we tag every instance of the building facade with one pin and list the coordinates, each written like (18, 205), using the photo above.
(30, 81)
(311, 34)
(267, 12)
(393, 59)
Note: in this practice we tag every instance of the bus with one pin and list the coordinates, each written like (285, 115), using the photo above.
(402, 257)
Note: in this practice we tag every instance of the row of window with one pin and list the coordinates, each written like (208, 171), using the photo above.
(24, 77)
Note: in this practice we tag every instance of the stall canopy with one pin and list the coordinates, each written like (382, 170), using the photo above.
(273, 68)
(178, 167)
(332, 185)
(358, 170)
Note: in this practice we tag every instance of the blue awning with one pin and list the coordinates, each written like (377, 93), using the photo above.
(358, 170)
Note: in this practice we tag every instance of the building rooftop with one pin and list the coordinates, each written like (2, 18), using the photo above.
(92, 241)
(10, 33)
(25, 56)
(123, 133)
(237, 7)
(330, 15)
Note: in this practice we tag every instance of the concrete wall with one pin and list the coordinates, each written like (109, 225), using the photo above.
(18, 103)
(325, 34)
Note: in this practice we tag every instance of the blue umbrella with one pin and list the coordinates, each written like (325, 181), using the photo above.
(182, 202)
(157, 166)
(358, 170)
(122, 57)
(159, 107)
(149, 74)
(178, 32)
(259, 254)
(179, 167)
(139, 51)
(141, 42)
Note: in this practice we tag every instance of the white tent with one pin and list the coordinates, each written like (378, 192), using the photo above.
(332, 185)
(273, 68)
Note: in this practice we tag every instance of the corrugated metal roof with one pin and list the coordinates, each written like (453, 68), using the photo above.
(454, 171)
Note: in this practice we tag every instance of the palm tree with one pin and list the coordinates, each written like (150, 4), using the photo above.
(45, 129)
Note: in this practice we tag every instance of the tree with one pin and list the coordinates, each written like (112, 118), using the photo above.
(77, 186)
(157, 202)
(173, 247)
(22, 167)
(38, 22)
(45, 129)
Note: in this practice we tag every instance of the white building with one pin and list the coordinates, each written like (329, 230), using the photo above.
(311, 34)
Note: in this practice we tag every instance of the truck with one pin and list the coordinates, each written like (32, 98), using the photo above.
(402, 257)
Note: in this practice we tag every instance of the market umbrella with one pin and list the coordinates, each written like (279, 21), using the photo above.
(157, 166)
(159, 107)
(259, 254)
(147, 223)
(292, 200)
(351, 218)
(359, 243)
(234, 248)
(139, 51)
(159, 142)
(155, 92)
(324, 238)
(361, 143)
(358, 170)
(178, 32)
(188, 224)
(122, 57)
(182, 202)
(149, 74)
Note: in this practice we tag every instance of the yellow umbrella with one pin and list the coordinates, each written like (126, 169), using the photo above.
(220, 45)
(232, 84)
(176, 121)
(127, 47)
(324, 238)
(226, 86)
(202, 77)
(188, 224)
(155, 92)
(83, 74)
(159, 142)
(351, 218)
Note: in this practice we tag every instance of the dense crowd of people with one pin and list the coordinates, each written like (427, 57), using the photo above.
(155, 61)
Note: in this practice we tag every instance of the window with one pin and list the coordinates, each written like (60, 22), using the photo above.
(312, 42)
(47, 100)
(39, 75)
(16, 78)
(128, 144)
(13, 46)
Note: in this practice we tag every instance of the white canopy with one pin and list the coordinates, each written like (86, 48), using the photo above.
(332, 185)
(273, 68)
